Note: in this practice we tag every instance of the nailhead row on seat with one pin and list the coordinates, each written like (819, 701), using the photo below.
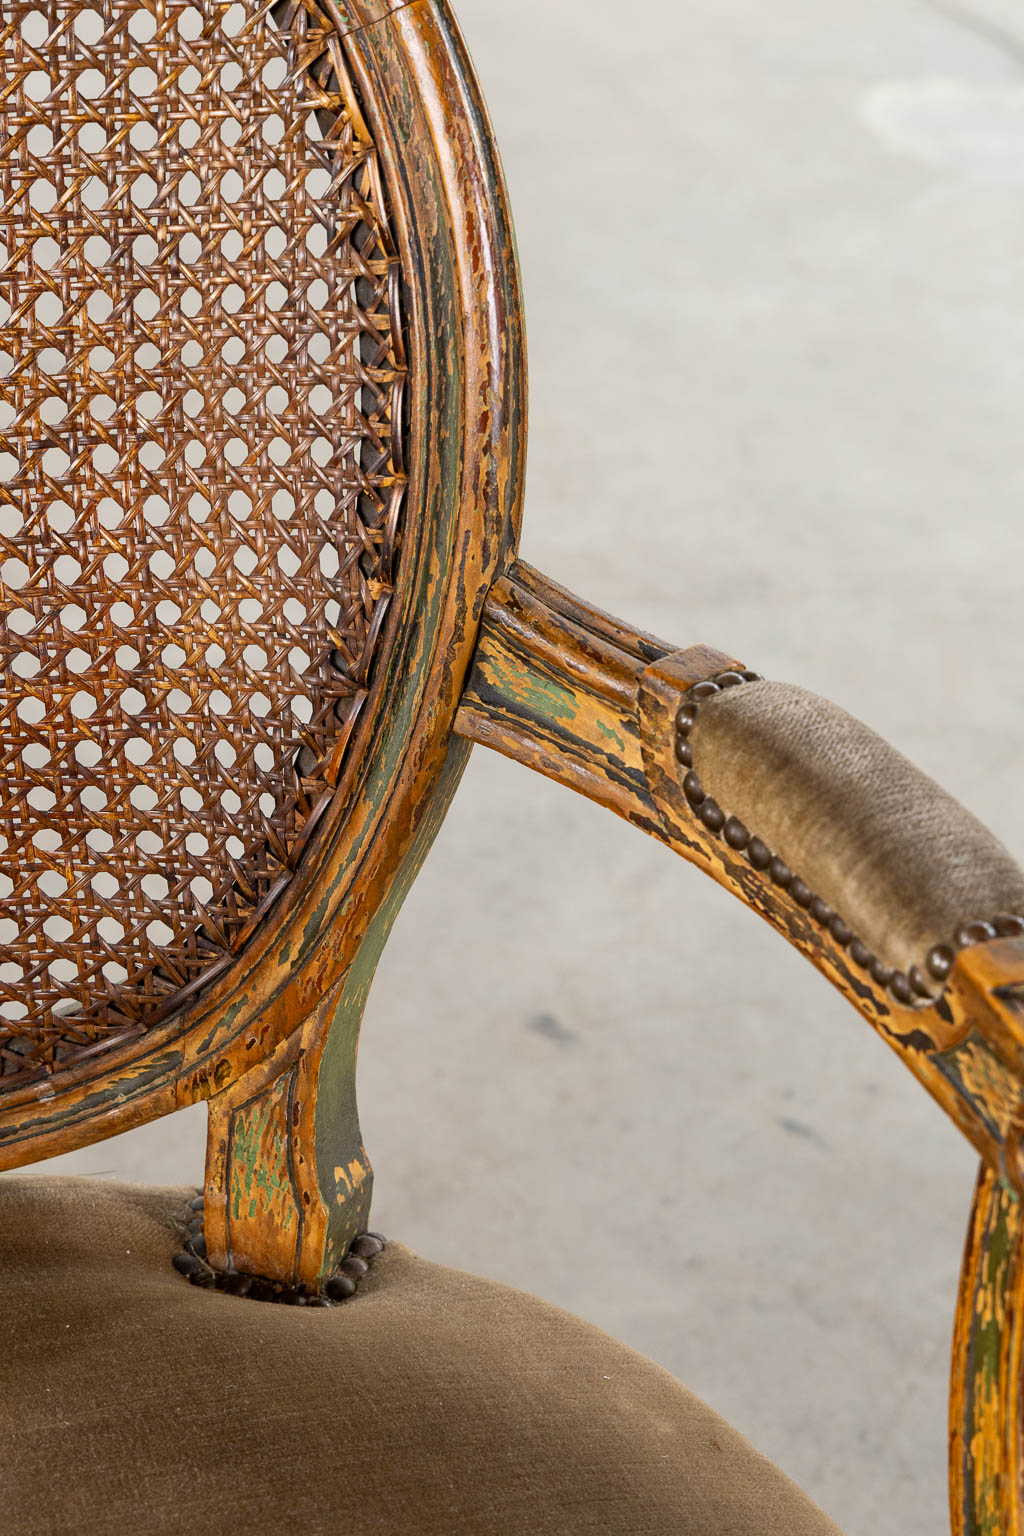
(908, 987)
(341, 1286)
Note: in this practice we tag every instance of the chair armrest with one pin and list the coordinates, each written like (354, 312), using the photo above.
(850, 824)
(897, 894)
(889, 887)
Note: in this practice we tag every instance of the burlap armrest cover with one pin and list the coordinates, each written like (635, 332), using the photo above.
(904, 863)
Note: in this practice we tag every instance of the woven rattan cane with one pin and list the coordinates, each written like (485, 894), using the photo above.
(201, 462)
(262, 399)
(259, 596)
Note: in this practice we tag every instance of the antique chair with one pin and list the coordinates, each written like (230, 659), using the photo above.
(262, 428)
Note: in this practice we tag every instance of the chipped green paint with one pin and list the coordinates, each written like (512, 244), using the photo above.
(223, 1025)
(135, 1081)
(314, 927)
(338, 1140)
(611, 735)
(988, 1336)
(989, 1395)
(541, 695)
(259, 1171)
(987, 1088)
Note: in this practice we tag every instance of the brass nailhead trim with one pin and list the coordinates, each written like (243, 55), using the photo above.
(341, 1285)
(913, 986)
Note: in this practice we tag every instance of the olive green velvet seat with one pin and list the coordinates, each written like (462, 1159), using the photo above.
(433, 1403)
(263, 407)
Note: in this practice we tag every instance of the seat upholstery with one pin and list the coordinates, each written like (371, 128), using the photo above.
(433, 1402)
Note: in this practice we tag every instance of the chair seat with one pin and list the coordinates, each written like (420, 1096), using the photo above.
(433, 1402)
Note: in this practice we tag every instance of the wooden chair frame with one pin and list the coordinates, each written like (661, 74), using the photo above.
(276, 1036)
(480, 648)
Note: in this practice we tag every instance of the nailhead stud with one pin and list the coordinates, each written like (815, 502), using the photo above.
(781, 873)
(367, 1246)
(840, 931)
(919, 981)
(759, 854)
(705, 690)
(940, 961)
(684, 753)
(900, 988)
(729, 679)
(801, 893)
(973, 933)
(712, 815)
(735, 834)
(692, 788)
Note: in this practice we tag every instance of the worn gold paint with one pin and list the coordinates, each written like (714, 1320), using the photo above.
(261, 1192)
(466, 400)
(985, 1396)
(271, 1043)
(967, 1048)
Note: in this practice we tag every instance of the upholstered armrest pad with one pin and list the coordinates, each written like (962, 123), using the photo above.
(900, 860)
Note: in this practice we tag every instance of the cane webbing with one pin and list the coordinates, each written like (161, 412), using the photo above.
(200, 484)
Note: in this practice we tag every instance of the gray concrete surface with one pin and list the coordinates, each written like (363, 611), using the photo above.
(772, 259)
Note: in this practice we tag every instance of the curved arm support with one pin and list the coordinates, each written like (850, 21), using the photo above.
(986, 1448)
(923, 933)
(892, 890)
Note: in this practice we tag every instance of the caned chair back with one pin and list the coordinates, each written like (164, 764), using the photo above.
(247, 509)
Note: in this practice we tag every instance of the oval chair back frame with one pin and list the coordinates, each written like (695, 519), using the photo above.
(270, 1042)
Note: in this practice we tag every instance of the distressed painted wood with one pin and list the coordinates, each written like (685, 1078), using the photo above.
(288, 1179)
(466, 407)
(587, 701)
(353, 15)
(269, 1038)
(580, 698)
(986, 1411)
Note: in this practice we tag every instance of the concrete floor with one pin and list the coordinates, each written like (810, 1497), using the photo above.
(772, 260)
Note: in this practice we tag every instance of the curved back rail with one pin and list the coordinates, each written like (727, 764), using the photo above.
(249, 990)
(268, 1034)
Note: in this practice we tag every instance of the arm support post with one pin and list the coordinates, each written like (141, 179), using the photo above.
(893, 891)
(646, 730)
